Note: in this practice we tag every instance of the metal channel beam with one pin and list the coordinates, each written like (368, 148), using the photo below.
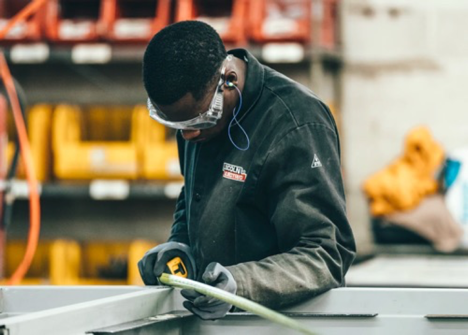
(27, 299)
(169, 323)
(80, 317)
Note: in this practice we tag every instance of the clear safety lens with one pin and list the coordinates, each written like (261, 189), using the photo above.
(203, 121)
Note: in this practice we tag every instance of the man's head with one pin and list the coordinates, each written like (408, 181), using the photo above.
(181, 72)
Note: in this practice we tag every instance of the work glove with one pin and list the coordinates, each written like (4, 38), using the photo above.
(155, 262)
(208, 308)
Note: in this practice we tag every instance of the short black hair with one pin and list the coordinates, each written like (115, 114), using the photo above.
(181, 58)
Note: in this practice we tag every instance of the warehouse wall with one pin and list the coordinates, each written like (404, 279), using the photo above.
(413, 72)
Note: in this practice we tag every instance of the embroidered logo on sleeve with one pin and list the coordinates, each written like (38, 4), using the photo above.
(234, 172)
(316, 162)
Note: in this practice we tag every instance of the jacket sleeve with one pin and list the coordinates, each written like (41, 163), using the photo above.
(179, 230)
(302, 182)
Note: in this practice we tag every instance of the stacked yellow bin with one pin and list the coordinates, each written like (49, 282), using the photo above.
(39, 130)
(67, 262)
(76, 158)
(100, 257)
(158, 151)
(38, 271)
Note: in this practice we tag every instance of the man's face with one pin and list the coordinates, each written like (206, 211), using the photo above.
(187, 108)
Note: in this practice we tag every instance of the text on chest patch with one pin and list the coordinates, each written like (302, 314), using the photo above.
(234, 172)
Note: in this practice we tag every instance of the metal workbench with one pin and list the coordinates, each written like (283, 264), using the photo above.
(158, 310)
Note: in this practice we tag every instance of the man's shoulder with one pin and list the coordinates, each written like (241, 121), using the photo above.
(299, 102)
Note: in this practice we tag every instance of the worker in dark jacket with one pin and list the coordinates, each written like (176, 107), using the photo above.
(262, 212)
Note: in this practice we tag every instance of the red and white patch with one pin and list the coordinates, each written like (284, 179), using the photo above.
(234, 172)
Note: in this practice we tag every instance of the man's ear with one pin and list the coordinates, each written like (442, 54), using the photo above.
(231, 80)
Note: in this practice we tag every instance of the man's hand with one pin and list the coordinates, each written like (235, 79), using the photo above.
(211, 308)
(153, 264)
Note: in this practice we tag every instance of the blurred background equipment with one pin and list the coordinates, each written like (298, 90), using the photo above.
(403, 184)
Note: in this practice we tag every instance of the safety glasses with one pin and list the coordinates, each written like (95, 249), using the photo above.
(205, 120)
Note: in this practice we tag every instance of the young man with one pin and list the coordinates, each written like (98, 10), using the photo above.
(262, 213)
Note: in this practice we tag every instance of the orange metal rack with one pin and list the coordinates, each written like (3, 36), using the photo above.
(74, 20)
(280, 20)
(29, 30)
(329, 29)
(136, 20)
(229, 18)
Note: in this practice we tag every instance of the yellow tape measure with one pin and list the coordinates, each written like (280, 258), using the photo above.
(176, 267)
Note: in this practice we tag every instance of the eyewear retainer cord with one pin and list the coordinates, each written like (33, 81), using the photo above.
(234, 119)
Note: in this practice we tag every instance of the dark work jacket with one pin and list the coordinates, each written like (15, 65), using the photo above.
(274, 215)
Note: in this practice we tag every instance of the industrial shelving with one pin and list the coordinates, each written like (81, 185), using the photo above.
(100, 190)
(105, 53)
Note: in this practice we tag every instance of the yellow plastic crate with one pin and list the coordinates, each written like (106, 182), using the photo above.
(67, 262)
(38, 273)
(100, 257)
(78, 155)
(158, 150)
(39, 130)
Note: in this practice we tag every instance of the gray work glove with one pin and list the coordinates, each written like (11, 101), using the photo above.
(208, 308)
(155, 261)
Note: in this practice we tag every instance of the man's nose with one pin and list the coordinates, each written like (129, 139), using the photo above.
(190, 134)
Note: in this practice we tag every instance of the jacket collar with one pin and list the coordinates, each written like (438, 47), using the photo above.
(254, 80)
